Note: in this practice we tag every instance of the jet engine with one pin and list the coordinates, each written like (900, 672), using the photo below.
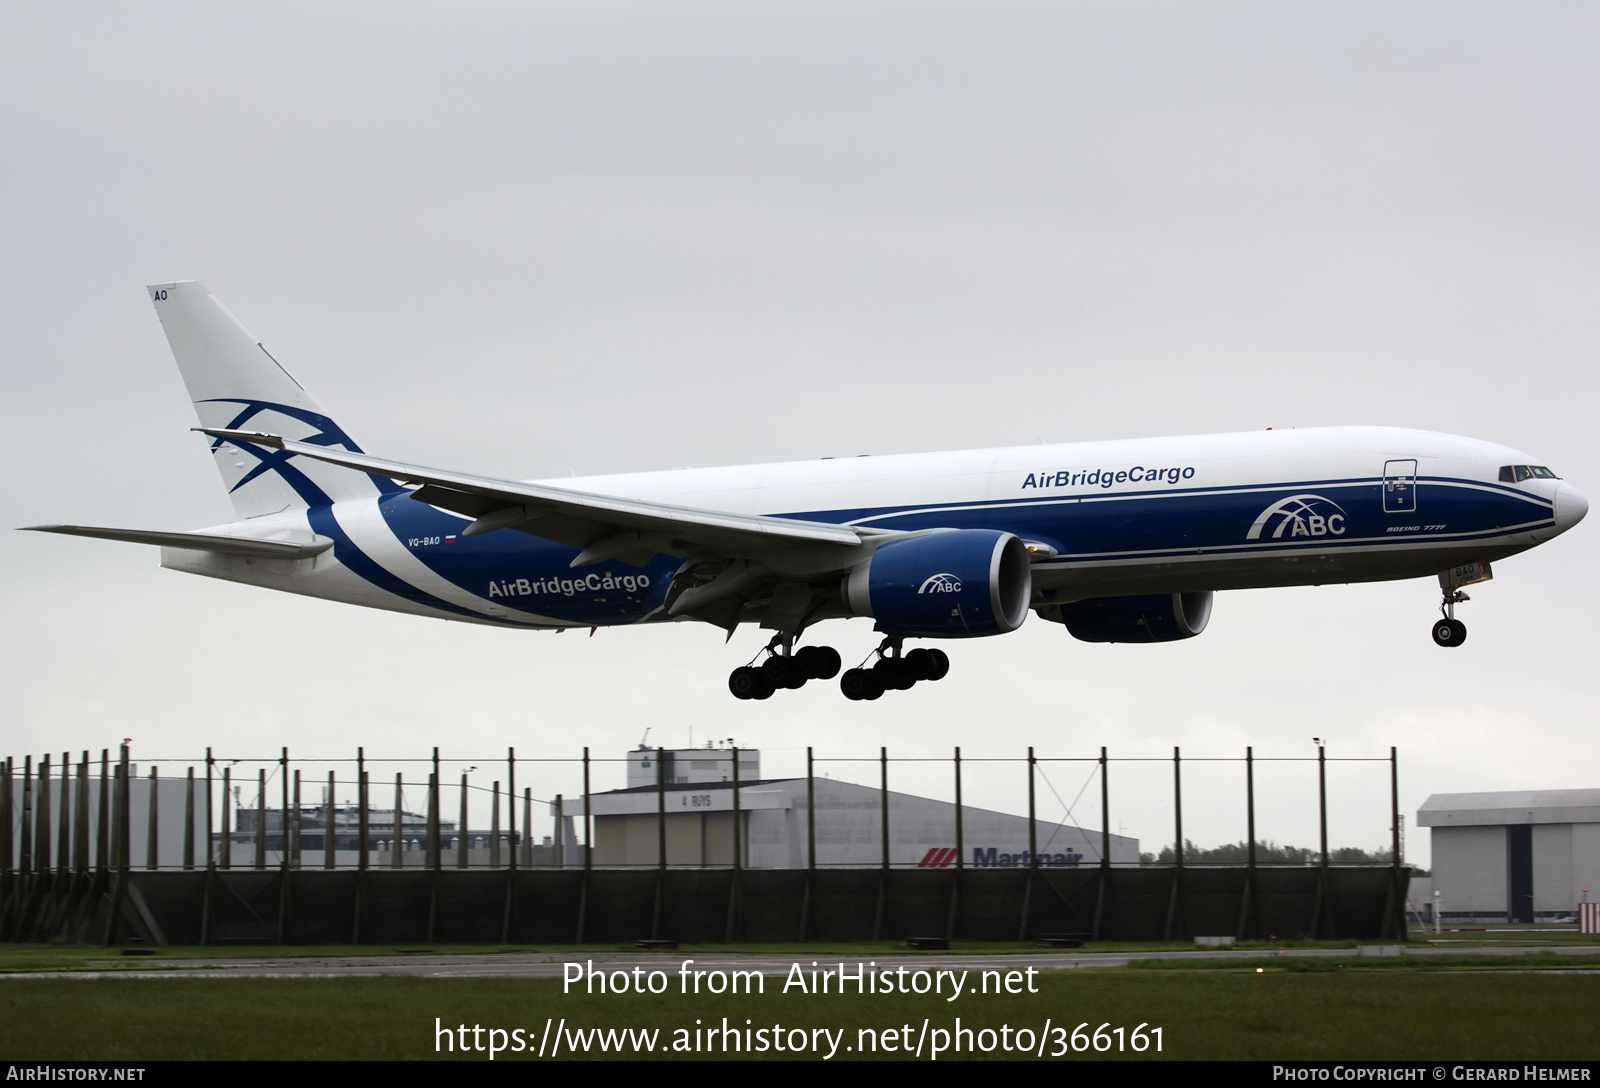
(1156, 617)
(962, 583)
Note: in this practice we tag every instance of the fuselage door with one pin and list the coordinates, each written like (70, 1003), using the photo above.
(1400, 487)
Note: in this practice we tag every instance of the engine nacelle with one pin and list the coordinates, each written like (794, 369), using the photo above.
(958, 584)
(1157, 617)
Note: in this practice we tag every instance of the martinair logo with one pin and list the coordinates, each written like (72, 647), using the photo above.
(1300, 516)
(941, 583)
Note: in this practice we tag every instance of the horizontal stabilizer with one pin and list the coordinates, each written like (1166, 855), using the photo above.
(223, 545)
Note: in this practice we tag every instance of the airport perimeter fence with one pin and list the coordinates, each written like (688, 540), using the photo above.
(104, 856)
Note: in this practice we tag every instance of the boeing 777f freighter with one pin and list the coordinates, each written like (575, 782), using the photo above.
(1118, 541)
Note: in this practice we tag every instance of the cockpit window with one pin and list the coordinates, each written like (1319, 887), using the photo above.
(1515, 474)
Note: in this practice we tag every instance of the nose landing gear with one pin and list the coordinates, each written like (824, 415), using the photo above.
(1450, 631)
(894, 671)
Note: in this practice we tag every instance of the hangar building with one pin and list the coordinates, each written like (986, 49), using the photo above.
(773, 833)
(1517, 856)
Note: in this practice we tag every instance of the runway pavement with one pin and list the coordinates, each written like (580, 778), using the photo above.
(553, 965)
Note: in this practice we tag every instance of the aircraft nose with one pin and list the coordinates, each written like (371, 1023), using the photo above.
(1571, 506)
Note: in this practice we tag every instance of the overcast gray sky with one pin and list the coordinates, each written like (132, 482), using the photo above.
(527, 239)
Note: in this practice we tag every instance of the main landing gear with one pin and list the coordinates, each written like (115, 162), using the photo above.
(1450, 631)
(785, 667)
(894, 672)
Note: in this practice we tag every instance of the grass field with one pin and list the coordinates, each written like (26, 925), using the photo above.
(1332, 1009)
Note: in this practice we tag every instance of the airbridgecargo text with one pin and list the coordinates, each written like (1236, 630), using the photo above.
(1108, 477)
(568, 587)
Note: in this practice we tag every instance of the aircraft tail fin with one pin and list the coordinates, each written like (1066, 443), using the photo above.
(235, 383)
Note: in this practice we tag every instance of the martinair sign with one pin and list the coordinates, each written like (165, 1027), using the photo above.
(990, 857)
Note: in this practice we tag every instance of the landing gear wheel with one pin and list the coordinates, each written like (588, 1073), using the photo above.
(784, 672)
(895, 673)
(928, 664)
(748, 683)
(861, 684)
(818, 662)
(1449, 632)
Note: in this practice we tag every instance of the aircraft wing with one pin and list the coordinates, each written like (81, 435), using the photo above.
(601, 526)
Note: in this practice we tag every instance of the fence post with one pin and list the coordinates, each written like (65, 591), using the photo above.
(102, 821)
(283, 818)
(364, 833)
(261, 818)
(120, 836)
(283, 844)
(1397, 893)
(1322, 800)
(188, 820)
(6, 855)
(330, 839)
(811, 812)
(588, 855)
(64, 821)
(1250, 804)
(811, 845)
(1177, 845)
(363, 816)
(953, 922)
(211, 860)
(1247, 899)
(661, 841)
(462, 845)
(883, 836)
(1394, 804)
(41, 818)
(661, 811)
(25, 840)
(1033, 854)
(397, 843)
(1103, 892)
(80, 820)
(227, 818)
(435, 845)
(494, 826)
(152, 834)
(733, 883)
(511, 845)
(511, 809)
(1321, 915)
(296, 807)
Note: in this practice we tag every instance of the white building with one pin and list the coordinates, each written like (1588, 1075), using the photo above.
(699, 822)
(1517, 856)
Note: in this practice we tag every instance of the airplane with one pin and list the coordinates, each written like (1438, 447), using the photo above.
(1117, 541)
